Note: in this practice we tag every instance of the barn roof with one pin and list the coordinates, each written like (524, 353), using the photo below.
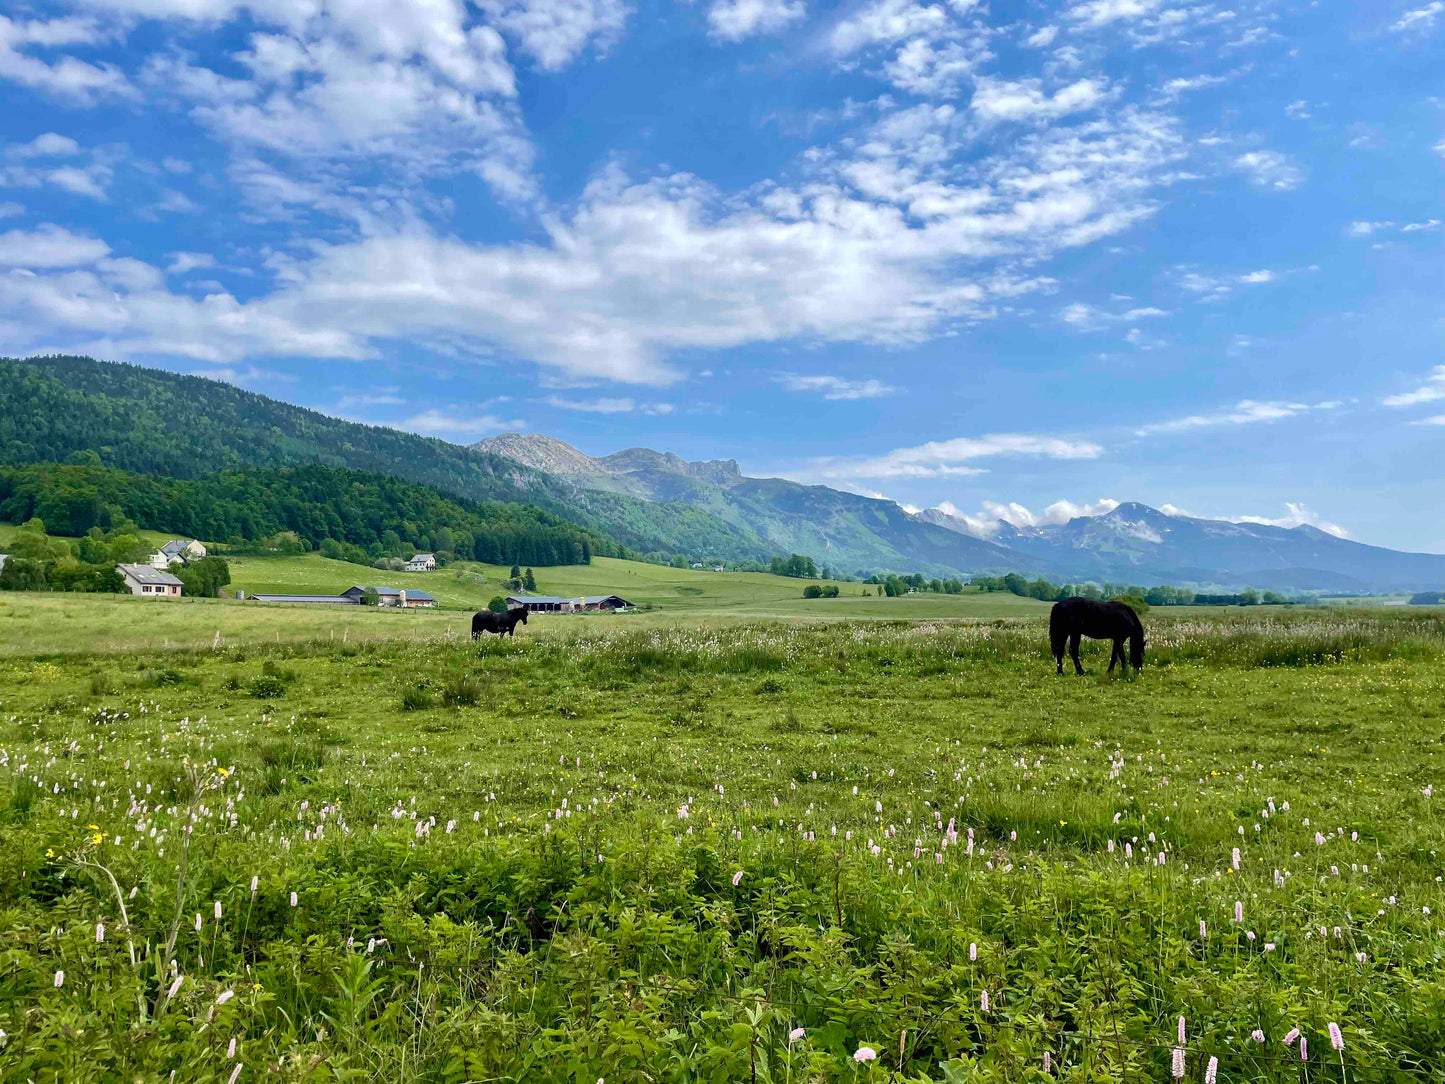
(341, 600)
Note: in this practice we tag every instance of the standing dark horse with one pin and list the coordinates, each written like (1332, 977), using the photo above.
(1075, 617)
(504, 624)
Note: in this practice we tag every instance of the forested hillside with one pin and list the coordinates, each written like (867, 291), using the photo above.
(54, 409)
(373, 513)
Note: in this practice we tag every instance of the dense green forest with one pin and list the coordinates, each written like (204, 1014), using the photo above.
(56, 409)
(1161, 595)
(349, 514)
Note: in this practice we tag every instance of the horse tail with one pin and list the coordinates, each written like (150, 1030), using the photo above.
(1058, 632)
(1136, 645)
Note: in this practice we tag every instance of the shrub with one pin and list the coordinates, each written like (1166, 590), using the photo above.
(268, 688)
(463, 690)
(416, 698)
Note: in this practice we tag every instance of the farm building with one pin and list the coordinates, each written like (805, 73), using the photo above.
(177, 549)
(148, 581)
(393, 596)
(553, 604)
(319, 600)
(422, 562)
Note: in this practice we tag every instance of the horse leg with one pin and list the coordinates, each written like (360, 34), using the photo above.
(1074, 654)
(1116, 654)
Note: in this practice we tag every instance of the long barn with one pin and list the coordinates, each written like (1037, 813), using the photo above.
(536, 604)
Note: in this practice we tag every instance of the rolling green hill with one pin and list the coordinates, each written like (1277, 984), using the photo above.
(59, 409)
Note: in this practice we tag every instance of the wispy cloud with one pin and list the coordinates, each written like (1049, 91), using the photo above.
(835, 387)
(1245, 412)
(734, 20)
(950, 457)
(1421, 18)
(1432, 390)
(439, 423)
(609, 406)
(1270, 169)
(992, 515)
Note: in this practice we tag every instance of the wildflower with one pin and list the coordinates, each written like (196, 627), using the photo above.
(983, 1001)
(293, 899)
(865, 1053)
(1048, 1061)
(216, 909)
(225, 996)
(1181, 1031)
(1257, 1035)
(1203, 930)
(1303, 1048)
(235, 1073)
(255, 881)
(796, 1034)
(1211, 1074)
(59, 979)
(972, 951)
(1336, 1039)
(737, 878)
(1178, 1061)
(1291, 1036)
(231, 1049)
(1238, 910)
(175, 986)
(99, 932)
(198, 922)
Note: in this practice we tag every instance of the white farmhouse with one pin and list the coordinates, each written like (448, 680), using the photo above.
(149, 582)
(422, 562)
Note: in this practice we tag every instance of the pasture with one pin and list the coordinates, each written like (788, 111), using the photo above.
(725, 850)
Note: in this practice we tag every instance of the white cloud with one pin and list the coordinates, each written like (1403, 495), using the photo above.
(1365, 229)
(1024, 100)
(934, 70)
(992, 515)
(1042, 38)
(1421, 18)
(1270, 169)
(1179, 86)
(886, 21)
(49, 246)
(439, 423)
(1094, 13)
(80, 182)
(834, 387)
(1437, 419)
(1432, 390)
(1255, 278)
(734, 20)
(183, 263)
(65, 77)
(950, 457)
(1245, 412)
(49, 145)
(610, 406)
(1087, 317)
(555, 32)
(1298, 110)
(11, 209)
(1419, 227)
(1296, 515)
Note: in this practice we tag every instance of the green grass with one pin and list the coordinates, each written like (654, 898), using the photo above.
(495, 880)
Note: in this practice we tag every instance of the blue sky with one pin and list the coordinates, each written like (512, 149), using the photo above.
(1012, 259)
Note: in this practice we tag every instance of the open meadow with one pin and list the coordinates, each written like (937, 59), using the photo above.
(717, 850)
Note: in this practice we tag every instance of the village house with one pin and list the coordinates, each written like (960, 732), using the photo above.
(150, 582)
(393, 596)
(554, 604)
(422, 562)
(184, 550)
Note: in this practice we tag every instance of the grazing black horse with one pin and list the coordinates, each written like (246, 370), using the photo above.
(504, 624)
(1075, 617)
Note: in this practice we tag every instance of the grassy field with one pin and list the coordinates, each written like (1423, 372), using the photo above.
(653, 852)
(50, 623)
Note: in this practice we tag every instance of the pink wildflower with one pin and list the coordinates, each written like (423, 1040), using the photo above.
(1178, 1061)
(865, 1053)
(1336, 1039)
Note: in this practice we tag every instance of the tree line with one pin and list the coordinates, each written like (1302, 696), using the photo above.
(1162, 595)
(346, 514)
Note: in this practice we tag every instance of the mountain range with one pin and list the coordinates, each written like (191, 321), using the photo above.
(79, 410)
(1133, 543)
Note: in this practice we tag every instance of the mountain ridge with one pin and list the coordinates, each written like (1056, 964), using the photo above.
(1129, 543)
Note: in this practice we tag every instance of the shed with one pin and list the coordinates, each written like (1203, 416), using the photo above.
(578, 604)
